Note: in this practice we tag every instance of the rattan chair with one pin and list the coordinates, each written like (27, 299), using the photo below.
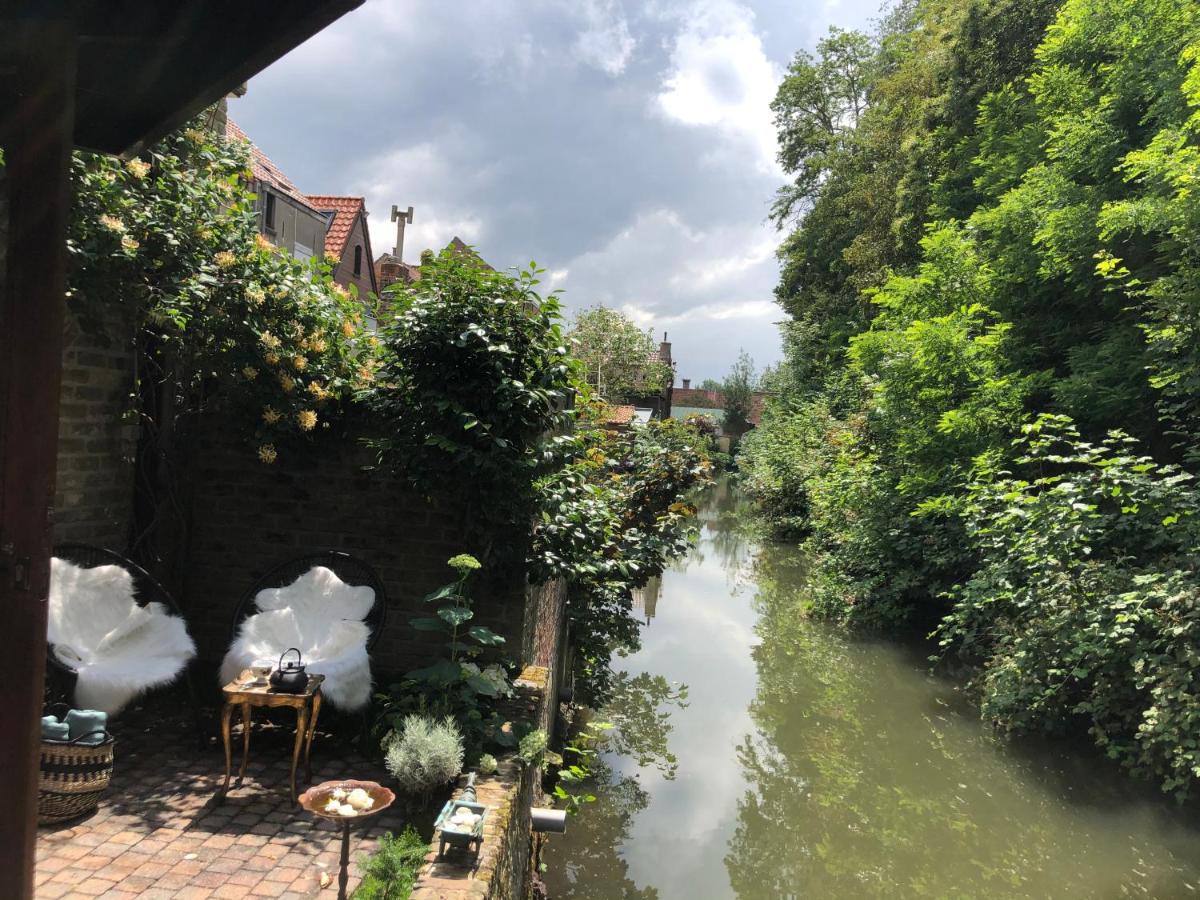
(146, 590)
(349, 568)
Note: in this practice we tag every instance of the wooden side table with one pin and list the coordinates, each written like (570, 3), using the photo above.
(244, 693)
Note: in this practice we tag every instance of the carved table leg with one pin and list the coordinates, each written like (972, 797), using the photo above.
(301, 732)
(245, 742)
(227, 738)
(312, 728)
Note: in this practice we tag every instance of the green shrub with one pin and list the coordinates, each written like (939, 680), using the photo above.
(610, 520)
(1085, 609)
(389, 872)
(473, 388)
(426, 753)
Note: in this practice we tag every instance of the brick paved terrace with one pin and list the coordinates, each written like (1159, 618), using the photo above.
(160, 834)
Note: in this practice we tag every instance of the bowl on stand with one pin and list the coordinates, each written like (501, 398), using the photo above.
(317, 800)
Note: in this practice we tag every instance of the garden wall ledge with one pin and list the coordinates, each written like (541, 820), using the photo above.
(502, 870)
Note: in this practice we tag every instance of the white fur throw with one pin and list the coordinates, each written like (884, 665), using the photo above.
(323, 617)
(119, 648)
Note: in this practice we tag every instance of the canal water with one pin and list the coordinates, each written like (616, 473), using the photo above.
(759, 755)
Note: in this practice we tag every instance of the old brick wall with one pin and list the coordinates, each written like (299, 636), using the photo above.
(97, 439)
(503, 869)
(248, 517)
(545, 639)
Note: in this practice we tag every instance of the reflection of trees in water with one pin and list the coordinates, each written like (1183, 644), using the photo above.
(640, 713)
(856, 791)
(586, 862)
(723, 513)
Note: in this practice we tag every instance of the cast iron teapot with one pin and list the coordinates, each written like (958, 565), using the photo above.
(289, 677)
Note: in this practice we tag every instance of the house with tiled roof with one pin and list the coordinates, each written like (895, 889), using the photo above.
(688, 400)
(348, 241)
(286, 218)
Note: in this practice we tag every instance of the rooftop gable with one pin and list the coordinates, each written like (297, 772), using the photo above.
(344, 211)
(264, 169)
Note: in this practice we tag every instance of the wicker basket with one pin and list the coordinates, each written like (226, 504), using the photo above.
(74, 777)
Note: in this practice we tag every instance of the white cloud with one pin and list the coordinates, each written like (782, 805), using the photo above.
(418, 175)
(605, 40)
(720, 77)
(710, 286)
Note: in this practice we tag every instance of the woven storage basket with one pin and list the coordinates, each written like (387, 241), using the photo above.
(74, 777)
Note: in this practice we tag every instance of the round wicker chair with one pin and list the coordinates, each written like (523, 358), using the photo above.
(147, 589)
(350, 569)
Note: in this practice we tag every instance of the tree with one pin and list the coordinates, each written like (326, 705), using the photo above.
(738, 389)
(617, 358)
(711, 384)
(817, 109)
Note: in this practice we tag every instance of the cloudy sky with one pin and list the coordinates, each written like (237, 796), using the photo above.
(626, 147)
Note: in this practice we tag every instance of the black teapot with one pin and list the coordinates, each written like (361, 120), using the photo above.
(289, 677)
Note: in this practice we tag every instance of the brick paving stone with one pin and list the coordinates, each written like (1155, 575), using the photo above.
(159, 834)
(70, 875)
(286, 874)
(188, 867)
(172, 882)
(225, 865)
(245, 877)
(93, 887)
(268, 889)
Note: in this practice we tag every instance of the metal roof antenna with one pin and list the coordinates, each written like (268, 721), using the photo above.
(401, 219)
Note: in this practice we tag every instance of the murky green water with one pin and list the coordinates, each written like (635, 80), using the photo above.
(800, 764)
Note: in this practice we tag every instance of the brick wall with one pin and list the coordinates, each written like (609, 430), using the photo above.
(545, 639)
(503, 868)
(93, 502)
(96, 442)
(248, 517)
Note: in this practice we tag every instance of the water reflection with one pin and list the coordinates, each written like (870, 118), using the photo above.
(810, 765)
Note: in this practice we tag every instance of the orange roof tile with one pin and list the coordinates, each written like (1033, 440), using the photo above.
(344, 210)
(262, 166)
(619, 415)
(693, 398)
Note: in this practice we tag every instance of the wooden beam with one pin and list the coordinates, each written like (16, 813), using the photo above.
(38, 142)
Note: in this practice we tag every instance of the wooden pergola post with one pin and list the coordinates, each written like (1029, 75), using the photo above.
(38, 144)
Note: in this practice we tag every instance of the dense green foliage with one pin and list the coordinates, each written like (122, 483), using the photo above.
(170, 244)
(617, 360)
(994, 220)
(455, 686)
(738, 391)
(390, 872)
(473, 387)
(610, 521)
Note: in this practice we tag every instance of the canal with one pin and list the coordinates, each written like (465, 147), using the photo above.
(759, 755)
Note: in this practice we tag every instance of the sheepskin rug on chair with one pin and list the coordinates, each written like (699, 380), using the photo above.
(119, 648)
(320, 615)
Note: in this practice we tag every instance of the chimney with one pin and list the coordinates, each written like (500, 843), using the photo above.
(401, 219)
(664, 350)
(687, 384)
